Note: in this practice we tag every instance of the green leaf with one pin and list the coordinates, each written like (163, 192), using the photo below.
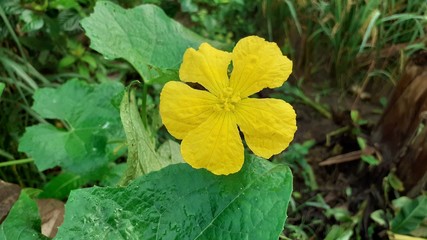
(69, 20)
(60, 186)
(340, 214)
(89, 60)
(142, 155)
(33, 21)
(395, 182)
(33, 193)
(354, 114)
(89, 121)
(379, 217)
(412, 214)
(398, 203)
(188, 6)
(2, 86)
(113, 175)
(362, 143)
(67, 61)
(144, 36)
(421, 230)
(23, 221)
(179, 202)
(339, 232)
(64, 4)
(371, 160)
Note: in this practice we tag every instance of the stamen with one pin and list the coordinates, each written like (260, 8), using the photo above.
(227, 100)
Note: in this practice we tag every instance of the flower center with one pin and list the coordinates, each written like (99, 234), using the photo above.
(227, 100)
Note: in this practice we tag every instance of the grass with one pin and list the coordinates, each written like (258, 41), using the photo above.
(343, 37)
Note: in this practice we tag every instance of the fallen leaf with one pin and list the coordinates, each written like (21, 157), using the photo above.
(52, 215)
(9, 193)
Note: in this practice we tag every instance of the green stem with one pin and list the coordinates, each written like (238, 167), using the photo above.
(144, 105)
(16, 162)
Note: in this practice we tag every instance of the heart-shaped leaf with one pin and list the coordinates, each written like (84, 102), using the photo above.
(88, 120)
(144, 36)
(179, 202)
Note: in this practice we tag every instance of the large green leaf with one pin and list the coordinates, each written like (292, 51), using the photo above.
(144, 36)
(142, 155)
(90, 120)
(179, 202)
(23, 221)
(410, 216)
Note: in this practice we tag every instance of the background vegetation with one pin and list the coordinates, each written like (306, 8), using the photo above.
(347, 57)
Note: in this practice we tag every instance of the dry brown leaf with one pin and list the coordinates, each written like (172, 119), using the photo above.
(52, 215)
(347, 157)
(9, 193)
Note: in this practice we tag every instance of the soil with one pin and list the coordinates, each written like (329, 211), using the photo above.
(338, 183)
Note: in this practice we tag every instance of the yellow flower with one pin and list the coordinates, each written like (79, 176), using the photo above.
(208, 122)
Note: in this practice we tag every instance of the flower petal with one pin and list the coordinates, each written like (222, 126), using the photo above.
(215, 145)
(258, 64)
(207, 66)
(183, 108)
(269, 125)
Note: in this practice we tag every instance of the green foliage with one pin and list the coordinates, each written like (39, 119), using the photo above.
(361, 141)
(114, 174)
(179, 202)
(142, 155)
(411, 214)
(88, 121)
(46, 26)
(224, 20)
(295, 157)
(394, 181)
(339, 232)
(294, 92)
(23, 221)
(29, 60)
(378, 217)
(2, 86)
(155, 47)
(60, 186)
(347, 36)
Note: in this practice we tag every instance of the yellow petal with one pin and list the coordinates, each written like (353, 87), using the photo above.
(207, 66)
(183, 108)
(258, 64)
(215, 145)
(268, 125)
